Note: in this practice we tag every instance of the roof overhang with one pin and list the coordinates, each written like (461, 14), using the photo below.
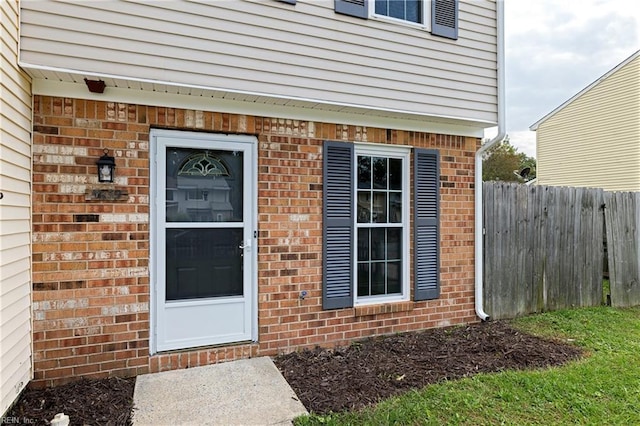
(71, 84)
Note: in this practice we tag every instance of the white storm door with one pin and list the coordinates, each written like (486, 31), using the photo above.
(204, 227)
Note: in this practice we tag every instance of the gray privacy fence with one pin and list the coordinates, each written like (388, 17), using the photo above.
(544, 247)
(622, 223)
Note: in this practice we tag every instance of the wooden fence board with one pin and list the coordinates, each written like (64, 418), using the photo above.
(551, 252)
(622, 215)
(539, 195)
(592, 215)
(522, 295)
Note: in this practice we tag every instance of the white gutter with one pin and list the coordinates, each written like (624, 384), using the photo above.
(479, 272)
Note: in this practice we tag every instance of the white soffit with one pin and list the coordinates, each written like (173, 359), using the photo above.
(71, 85)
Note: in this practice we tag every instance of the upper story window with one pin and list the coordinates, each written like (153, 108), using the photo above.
(405, 10)
(438, 16)
(197, 195)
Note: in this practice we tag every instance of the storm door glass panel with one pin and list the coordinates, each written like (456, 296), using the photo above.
(204, 185)
(204, 217)
(203, 263)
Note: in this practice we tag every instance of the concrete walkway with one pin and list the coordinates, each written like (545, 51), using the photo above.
(245, 392)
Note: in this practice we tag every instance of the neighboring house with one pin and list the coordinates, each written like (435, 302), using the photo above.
(593, 139)
(15, 213)
(288, 174)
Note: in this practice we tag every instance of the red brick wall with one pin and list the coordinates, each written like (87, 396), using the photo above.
(90, 259)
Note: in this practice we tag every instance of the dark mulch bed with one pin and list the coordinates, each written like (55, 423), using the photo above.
(330, 380)
(363, 373)
(86, 402)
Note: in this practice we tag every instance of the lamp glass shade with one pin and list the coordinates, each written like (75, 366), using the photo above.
(106, 168)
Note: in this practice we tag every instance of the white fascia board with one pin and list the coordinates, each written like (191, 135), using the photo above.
(143, 97)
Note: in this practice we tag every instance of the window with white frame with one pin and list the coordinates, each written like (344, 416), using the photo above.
(439, 16)
(367, 220)
(381, 189)
(404, 10)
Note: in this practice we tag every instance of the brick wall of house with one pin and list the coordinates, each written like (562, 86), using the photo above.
(91, 289)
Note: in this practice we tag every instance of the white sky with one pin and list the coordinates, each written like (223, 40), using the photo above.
(554, 49)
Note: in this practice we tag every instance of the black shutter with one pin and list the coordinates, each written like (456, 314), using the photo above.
(426, 184)
(337, 228)
(357, 8)
(444, 18)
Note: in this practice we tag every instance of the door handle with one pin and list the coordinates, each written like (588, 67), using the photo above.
(243, 246)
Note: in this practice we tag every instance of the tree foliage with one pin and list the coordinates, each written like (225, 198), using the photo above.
(503, 162)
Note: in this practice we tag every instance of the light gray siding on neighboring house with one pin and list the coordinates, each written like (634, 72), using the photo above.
(306, 51)
(15, 214)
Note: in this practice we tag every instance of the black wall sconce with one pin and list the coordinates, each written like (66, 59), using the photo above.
(106, 167)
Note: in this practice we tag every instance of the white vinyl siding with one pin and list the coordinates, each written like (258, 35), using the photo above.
(306, 51)
(594, 141)
(15, 214)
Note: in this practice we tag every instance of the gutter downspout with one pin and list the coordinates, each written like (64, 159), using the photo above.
(479, 228)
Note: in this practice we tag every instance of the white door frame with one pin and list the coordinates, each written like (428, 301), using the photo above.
(157, 213)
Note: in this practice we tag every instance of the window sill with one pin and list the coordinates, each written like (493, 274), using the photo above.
(400, 22)
(386, 308)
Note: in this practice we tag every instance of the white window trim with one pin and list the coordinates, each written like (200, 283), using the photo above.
(403, 153)
(426, 16)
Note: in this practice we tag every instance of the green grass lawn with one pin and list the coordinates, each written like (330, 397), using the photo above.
(603, 388)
